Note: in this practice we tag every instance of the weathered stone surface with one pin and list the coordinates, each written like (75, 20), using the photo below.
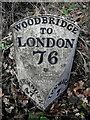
(44, 49)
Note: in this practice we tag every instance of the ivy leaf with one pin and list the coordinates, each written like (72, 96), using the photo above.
(33, 117)
(64, 12)
(2, 46)
(82, 114)
(72, 6)
(44, 118)
(37, 117)
(63, 105)
(84, 105)
(40, 113)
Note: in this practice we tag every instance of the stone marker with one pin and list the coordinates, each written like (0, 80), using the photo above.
(44, 51)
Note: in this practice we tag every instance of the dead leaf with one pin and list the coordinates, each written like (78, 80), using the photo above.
(81, 83)
(52, 107)
(76, 88)
(76, 93)
(87, 92)
(1, 94)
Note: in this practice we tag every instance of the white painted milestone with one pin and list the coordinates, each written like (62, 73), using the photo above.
(44, 48)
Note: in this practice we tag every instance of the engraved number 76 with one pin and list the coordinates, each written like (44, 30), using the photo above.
(52, 57)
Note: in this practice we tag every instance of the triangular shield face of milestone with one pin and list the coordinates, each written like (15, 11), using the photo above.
(44, 51)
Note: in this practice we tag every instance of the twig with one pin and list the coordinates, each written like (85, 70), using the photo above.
(85, 64)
